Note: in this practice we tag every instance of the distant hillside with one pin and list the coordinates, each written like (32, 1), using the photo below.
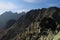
(38, 24)
(7, 16)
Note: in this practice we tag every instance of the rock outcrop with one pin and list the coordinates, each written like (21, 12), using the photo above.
(38, 24)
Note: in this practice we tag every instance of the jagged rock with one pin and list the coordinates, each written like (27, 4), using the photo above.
(38, 24)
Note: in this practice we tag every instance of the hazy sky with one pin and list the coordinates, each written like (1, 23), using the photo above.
(25, 5)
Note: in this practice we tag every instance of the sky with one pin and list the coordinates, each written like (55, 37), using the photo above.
(26, 5)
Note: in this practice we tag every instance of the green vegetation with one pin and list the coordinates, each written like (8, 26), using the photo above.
(57, 37)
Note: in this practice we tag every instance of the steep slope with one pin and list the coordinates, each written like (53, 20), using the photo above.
(39, 24)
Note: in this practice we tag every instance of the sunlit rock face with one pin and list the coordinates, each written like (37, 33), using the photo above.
(38, 24)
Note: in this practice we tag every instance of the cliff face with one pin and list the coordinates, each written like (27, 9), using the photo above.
(39, 24)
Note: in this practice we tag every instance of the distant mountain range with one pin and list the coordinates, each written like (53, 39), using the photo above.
(9, 16)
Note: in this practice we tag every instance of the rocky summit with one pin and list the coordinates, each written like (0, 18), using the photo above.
(37, 24)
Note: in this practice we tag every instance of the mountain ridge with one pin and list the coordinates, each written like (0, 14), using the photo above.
(7, 16)
(32, 26)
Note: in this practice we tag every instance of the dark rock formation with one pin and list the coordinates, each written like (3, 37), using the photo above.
(39, 24)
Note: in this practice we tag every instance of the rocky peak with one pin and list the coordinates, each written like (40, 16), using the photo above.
(38, 24)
